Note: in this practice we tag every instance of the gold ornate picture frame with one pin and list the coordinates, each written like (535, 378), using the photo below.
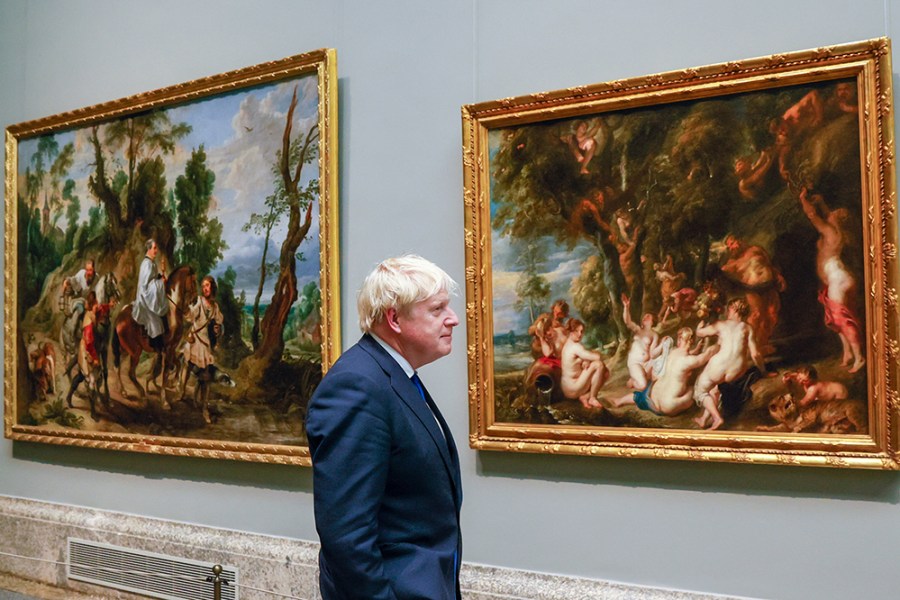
(210, 204)
(700, 264)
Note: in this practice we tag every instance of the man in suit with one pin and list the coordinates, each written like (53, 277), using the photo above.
(386, 477)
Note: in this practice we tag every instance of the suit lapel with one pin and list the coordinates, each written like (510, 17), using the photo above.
(426, 412)
(450, 445)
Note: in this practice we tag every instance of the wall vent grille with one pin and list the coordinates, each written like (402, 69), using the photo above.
(147, 573)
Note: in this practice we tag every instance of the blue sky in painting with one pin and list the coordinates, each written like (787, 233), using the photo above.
(241, 133)
(560, 267)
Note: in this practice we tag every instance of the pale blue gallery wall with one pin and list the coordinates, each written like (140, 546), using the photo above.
(405, 67)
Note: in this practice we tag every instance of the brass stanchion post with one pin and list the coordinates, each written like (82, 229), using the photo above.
(217, 582)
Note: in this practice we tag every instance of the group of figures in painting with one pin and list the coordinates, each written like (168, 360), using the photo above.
(161, 190)
(712, 364)
(167, 318)
(704, 345)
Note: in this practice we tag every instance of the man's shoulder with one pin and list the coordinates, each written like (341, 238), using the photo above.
(359, 355)
(365, 359)
(355, 369)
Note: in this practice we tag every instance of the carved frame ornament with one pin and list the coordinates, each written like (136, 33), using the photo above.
(255, 147)
(769, 179)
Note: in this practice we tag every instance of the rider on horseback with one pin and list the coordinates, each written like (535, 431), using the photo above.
(74, 292)
(80, 283)
(150, 304)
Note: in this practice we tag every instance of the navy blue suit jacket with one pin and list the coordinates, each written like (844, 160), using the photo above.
(386, 483)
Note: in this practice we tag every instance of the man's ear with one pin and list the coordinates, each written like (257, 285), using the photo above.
(391, 318)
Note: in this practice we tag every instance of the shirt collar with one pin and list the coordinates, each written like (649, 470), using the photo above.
(404, 364)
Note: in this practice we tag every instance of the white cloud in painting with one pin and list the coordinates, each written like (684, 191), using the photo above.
(241, 133)
(245, 177)
(560, 267)
(244, 163)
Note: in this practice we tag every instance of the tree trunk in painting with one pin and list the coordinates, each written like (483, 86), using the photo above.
(99, 186)
(271, 344)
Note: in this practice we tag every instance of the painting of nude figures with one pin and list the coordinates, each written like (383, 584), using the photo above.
(172, 268)
(663, 268)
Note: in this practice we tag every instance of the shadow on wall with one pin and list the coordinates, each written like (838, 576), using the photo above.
(149, 466)
(752, 480)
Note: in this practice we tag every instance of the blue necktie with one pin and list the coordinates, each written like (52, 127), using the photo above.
(418, 383)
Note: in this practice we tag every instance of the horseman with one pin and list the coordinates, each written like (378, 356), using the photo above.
(74, 292)
(140, 327)
(150, 303)
(80, 283)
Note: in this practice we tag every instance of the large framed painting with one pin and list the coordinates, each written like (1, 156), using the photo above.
(172, 266)
(700, 264)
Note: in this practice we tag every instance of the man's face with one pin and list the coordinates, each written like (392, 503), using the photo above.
(206, 288)
(845, 92)
(426, 330)
(89, 271)
(153, 251)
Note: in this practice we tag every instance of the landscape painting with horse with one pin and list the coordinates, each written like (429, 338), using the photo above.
(103, 208)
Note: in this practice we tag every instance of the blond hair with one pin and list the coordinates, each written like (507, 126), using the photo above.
(399, 283)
